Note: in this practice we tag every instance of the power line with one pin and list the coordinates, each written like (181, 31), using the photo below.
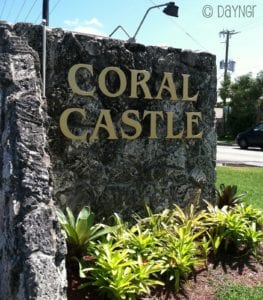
(252, 25)
(38, 18)
(3, 9)
(184, 31)
(54, 7)
(12, 5)
(191, 37)
(30, 9)
(20, 10)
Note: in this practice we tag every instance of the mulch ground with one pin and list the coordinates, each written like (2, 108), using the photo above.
(202, 285)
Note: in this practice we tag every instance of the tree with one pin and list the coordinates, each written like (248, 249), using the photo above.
(260, 100)
(245, 93)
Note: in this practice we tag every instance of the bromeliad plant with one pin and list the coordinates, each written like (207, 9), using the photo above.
(250, 213)
(181, 253)
(227, 196)
(238, 226)
(112, 274)
(117, 274)
(125, 261)
(142, 241)
(81, 231)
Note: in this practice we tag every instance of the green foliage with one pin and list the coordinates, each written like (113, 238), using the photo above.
(131, 260)
(250, 213)
(248, 180)
(224, 91)
(244, 93)
(237, 226)
(79, 232)
(226, 195)
(144, 270)
(142, 241)
(117, 274)
(181, 253)
(112, 273)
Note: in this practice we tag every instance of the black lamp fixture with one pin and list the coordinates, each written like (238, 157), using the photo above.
(170, 9)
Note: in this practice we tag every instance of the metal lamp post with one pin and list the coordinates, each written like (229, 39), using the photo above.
(45, 23)
(170, 9)
(45, 11)
(120, 27)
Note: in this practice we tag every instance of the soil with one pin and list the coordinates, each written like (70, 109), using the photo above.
(201, 285)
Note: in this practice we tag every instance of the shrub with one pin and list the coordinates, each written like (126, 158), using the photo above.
(79, 232)
(131, 260)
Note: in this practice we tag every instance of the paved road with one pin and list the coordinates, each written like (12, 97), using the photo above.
(234, 155)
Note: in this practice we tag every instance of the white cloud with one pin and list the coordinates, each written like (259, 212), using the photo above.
(72, 23)
(91, 26)
(94, 21)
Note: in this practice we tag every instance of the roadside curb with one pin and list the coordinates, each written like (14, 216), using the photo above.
(236, 164)
(226, 144)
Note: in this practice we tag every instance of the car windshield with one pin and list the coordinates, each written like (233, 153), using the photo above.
(259, 127)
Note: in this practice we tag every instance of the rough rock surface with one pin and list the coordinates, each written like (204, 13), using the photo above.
(120, 176)
(32, 250)
(40, 166)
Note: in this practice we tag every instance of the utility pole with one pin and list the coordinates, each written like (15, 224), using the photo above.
(227, 34)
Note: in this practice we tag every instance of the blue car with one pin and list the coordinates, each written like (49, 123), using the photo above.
(251, 138)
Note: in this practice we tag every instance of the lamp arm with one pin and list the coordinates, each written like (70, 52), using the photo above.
(140, 25)
(119, 27)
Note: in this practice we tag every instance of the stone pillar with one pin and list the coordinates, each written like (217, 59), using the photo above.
(31, 247)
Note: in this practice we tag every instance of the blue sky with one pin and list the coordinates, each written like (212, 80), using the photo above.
(192, 30)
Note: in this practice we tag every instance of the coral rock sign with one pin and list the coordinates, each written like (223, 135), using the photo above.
(121, 125)
(105, 119)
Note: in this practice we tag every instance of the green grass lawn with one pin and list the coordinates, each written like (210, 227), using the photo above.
(239, 292)
(248, 180)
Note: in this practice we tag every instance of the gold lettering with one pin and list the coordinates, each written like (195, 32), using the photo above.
(142, 83)
(170, 87)
(72, 80)
(170, 127)
(193, 117)
(102, 82)
(63, 123)
(186, 96)
(132, 123)
(153, 118)
(104, 114)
